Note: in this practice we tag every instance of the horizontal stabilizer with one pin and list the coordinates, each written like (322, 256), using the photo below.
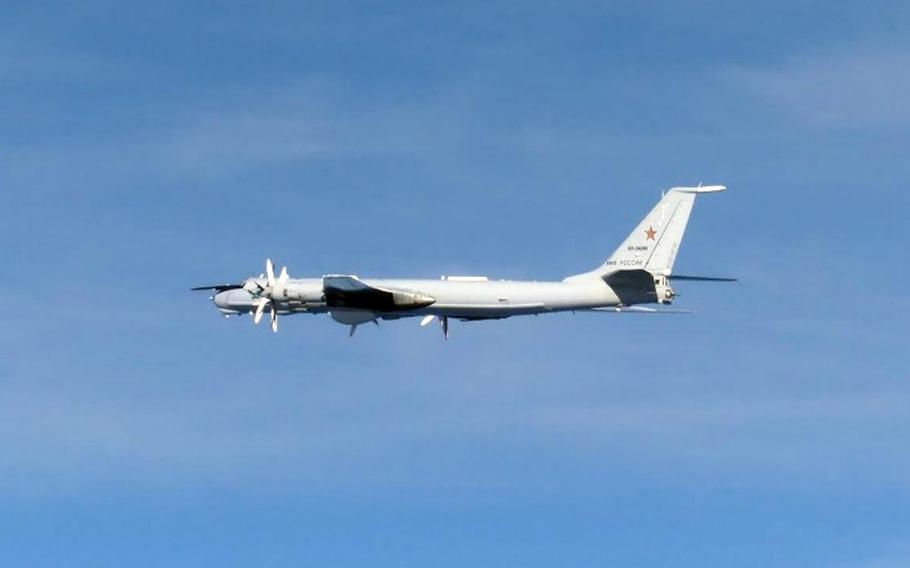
(699, 189)
(701, 278)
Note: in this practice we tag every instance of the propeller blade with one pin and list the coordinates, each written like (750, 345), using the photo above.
(444, 322)
(270, 272)
(274, 318)
(283, 277)
(259, 309)
(426, 320)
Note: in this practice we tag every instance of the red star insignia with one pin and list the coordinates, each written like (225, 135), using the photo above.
(650, 232)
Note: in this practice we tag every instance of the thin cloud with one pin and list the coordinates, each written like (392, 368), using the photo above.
(856, 90)
(897, 555)
(268, 127)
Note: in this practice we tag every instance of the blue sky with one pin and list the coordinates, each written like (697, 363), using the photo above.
(146, 149)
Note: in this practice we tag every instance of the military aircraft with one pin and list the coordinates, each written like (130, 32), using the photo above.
(639, 272)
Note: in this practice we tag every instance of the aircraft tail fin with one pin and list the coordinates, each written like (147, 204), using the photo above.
(654, 243)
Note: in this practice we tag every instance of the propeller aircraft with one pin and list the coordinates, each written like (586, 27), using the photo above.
(638, 273)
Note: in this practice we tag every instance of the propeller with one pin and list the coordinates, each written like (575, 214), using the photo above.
(267, 294)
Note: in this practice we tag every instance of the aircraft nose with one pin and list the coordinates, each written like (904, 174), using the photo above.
(237, 300)
(222, 299)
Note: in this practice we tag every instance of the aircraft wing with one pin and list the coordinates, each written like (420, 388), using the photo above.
(352, 292)
(639, 310)
(486, 311)
(218, 287)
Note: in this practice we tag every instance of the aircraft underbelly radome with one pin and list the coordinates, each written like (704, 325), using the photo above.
(638, 273)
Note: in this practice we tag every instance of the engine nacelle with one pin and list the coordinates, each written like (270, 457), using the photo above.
(308, 293)
(411, 300)
(352, 317)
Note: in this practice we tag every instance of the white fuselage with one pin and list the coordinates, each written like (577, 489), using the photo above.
(472, 298)
(505, 297)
